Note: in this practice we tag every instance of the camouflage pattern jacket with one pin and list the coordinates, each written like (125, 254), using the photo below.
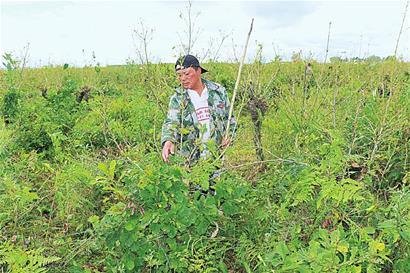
(181, 125)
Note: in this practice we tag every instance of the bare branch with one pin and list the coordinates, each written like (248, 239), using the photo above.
(144, 36)
(24, 61)
(192, 33)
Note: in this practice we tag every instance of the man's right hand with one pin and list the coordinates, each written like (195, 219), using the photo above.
(168, 148)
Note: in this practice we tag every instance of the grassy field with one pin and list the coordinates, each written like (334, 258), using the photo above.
(83, 187)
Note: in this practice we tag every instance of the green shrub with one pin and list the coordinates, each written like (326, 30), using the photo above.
(166, 228)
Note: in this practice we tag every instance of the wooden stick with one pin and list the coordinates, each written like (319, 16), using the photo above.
(401, 29)
(327, 44)
(238, 78)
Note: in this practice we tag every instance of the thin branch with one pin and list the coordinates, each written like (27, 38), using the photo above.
(236, 59)
(327, 44)
(24, 62)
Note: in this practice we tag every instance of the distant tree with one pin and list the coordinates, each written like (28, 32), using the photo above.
(390, 58)
(373, 59)
(337, 59)
(356, 59)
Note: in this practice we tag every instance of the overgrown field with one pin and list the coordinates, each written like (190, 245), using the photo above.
(83, 187)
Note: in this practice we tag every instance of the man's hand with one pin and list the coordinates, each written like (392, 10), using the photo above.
(168, 148)
(225, 142)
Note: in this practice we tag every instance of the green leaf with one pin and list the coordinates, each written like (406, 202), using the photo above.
(405, 234)
(167, 184)
(370, 230)
(171, 230)
(103, 168)
(247, 267)
(282, 250)
(204, 183)
(129, 264)
(184, 131)
(113, 163)
(202, 226)
(222, 267)
(94, 219)
(229, 208)
(171, 243)
(375, 247)
(130, 225)
(343, 247)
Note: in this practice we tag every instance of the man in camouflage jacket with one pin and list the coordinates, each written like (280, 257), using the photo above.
(182, 130)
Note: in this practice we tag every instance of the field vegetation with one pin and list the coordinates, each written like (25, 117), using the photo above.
(316, 180)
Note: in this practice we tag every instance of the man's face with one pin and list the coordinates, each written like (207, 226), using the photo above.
(189, 77)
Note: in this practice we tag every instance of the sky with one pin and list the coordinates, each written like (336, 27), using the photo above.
(89, 32)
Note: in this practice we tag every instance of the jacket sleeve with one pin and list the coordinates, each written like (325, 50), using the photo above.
(172, 121)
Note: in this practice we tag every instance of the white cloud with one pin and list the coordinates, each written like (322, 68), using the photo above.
(59, 31)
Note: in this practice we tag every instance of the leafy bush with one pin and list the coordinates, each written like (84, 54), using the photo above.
(10, 105)
(167, 228)
(43, 124)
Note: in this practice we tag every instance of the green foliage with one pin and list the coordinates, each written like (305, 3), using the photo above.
(85, 181)
(13, 199)
(115, 122)
(167, 228)
(9, 62)
(10, 105)
(14, 259)
(74, 194)
(44, 125)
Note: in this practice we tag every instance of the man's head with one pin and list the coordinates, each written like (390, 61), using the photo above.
(188, 61)
(189, 71)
